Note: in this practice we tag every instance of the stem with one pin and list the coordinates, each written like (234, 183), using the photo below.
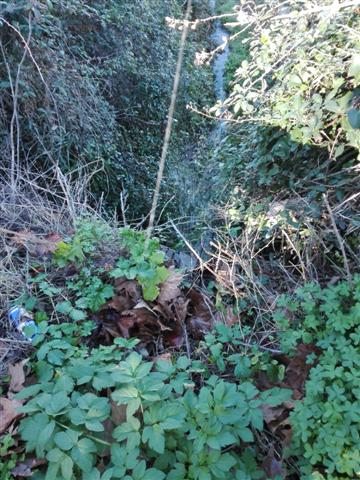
(98, 440)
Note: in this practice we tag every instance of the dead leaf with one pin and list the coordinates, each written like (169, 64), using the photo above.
(297, 371)
(37, 246)
(17, 375)
(174, 338)
(8, 412)
(130, 288)
(200, 319)
(272, 414)
(118, 413)
(169, 290)
(272, 466)
(166, 357)
(25, 469)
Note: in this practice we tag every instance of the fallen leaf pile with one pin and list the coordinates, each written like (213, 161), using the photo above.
(164, 323)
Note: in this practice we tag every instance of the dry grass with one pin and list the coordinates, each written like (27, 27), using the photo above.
(41, 203)
(279, 250)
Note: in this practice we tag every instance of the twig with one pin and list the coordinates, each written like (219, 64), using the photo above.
(339, 238)
(123, 207)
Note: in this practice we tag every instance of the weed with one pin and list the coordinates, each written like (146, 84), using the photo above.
(325, 424)
(172, 427)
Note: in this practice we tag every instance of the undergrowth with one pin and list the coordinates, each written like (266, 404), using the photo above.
(325, 424)
(88, 261)
(146, 419)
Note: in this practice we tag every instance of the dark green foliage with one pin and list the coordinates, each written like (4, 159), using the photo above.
(95, 92)
(301, 131)
(325, 424)
(172, 426)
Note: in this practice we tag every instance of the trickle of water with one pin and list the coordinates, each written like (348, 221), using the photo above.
(221, 38)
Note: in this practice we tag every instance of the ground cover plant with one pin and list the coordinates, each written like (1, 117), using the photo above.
(326, 423)
(144, 419)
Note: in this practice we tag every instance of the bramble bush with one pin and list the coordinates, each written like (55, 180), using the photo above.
(325, 423)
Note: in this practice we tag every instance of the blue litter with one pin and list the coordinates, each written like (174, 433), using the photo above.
(22, 320)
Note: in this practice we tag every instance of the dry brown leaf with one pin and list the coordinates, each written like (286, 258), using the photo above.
(200, 319)
(17, 376)
(180, 306)
(298, 369)
(272, 466)
(169, 290)
(36, 245)
(166, 357)
(174, 338)
(8, 412)
(272, 414)
(118, 413)
(143, 304)
(130, 288)
(25, 469)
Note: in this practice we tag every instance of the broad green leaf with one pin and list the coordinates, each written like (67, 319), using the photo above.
(275, 396)
(245, 434)
(67, 466)
(55, 455)
(153, 474)
(66, 440)
(155, 438)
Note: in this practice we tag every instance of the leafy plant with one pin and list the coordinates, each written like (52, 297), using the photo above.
(90, 283)
(171, 426)
(227, 350)
(325, 424)
(145, 262)
(8, 458)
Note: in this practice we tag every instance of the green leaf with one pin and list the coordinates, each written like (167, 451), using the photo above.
(94, 426)
(354, 117)
(44, 438)
(52, 471)
(64, 307)
(64, 384)
(28, 392)
(276, 396)
(125, 394)
(77, 416)
(58, 404)
(154, 436)
(83, 460)
(153, 474)
(150, 291)
(67, 466)
(245, 434)
(128, 430)
(66, 440)
(55, 455)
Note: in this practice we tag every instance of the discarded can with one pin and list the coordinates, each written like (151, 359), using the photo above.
(23, 321)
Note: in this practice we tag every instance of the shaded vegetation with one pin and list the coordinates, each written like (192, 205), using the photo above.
(244, 365)
(91, 92)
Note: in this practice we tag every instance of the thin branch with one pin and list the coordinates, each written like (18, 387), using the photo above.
(170, 119)
(339, 238)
